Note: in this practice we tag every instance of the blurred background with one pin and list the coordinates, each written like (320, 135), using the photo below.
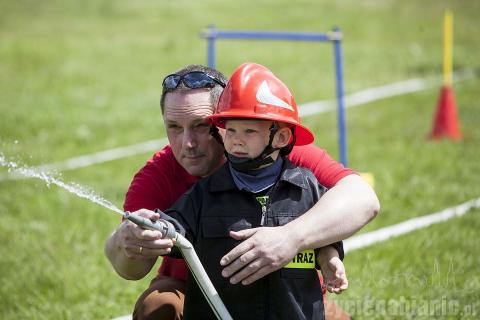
(82, 77)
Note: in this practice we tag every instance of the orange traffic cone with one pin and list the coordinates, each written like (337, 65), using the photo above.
(446, 123)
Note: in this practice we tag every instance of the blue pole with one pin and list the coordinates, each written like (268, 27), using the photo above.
(275, 35)
(211, 37)
(342, 129)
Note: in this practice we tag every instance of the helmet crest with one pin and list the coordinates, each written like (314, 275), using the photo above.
(264, 95)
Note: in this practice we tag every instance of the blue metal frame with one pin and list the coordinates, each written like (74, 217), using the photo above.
(212, 34)
(342, 128)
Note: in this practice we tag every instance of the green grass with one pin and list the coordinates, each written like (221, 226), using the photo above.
(428, 274)
(81, 77)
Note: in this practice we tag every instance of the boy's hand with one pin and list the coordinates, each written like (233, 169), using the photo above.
(333, 270)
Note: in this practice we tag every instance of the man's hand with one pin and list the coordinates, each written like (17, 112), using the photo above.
(138, 243)
(133, 251)
(264, 250)
(333, 270)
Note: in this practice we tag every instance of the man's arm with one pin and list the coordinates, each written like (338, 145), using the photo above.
(340, 212)
(133, 251)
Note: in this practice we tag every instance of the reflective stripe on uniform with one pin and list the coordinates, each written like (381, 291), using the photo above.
(303, 260)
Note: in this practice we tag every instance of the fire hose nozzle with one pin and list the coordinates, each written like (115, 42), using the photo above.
(166, 228)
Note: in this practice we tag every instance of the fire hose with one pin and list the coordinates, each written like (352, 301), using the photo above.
(193, 262)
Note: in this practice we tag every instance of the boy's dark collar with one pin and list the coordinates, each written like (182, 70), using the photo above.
(221, 180)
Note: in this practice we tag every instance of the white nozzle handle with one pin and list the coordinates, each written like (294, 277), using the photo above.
(202, 279)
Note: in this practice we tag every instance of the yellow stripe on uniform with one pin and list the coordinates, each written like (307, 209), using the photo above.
(303, 260)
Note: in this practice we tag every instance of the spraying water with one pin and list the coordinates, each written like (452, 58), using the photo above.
(49, 179)
(165, 227)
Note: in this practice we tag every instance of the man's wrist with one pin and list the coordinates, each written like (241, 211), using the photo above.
(291, 232)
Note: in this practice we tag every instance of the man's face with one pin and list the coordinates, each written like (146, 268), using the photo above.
(188, 132)
(246, 138)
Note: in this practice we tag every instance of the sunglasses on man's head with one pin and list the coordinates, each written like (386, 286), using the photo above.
(192, 80)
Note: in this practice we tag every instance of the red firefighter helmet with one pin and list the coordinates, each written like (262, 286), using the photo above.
(254, 92)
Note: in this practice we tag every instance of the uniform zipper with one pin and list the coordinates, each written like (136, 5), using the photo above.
(264, 210)
(270, 193)
(269, 200)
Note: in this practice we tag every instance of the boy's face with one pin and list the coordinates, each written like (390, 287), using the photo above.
(246, 138)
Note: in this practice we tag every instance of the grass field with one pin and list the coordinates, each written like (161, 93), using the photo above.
(77, 77)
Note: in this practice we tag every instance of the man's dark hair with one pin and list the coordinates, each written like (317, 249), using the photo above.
(215, 92)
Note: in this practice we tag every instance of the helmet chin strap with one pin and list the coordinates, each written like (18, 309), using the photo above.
(247, 164)
(216, 134)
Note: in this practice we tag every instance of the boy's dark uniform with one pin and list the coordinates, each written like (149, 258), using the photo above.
(212, 208)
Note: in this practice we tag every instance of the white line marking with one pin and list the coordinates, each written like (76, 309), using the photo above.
(383, 234)
(126, 317)
(377, 93)
(107, 155)
(94, 158)
(355, 99)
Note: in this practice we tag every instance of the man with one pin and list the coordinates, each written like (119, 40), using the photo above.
(188, 97)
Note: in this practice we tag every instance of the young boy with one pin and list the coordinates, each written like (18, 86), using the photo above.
(257, 186)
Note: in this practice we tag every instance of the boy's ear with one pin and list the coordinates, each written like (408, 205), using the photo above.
(282, 137)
